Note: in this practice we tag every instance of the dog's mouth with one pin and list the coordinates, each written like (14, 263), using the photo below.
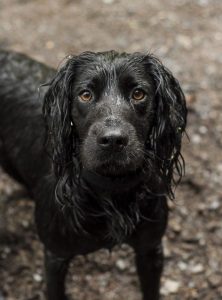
(113, 167)
(111, 183)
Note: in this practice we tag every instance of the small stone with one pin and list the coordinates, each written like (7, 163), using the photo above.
(197, 269)
(108, 1)
(25, 223)
(214, 205)
(167, 252)
(203, 129)
(170, 287)
(7, 250)
(196, 138)
(37, 277)
(203, 2)
(50, 45)
(191, 284)
(191, 98)
(184, 41)
(182, 266)
(201, 207)
(219, 167)
(214, 280)
(87, 277)
(121, 265)
(132, 270)
(175, 226)
(202, 242)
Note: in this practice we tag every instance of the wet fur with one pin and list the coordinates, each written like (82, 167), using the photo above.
(45, 147)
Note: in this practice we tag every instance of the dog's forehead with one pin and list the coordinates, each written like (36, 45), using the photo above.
(111, 64)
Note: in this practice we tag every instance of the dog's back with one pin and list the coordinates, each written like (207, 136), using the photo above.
(21, 122)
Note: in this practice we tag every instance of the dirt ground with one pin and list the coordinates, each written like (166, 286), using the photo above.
(187, 36)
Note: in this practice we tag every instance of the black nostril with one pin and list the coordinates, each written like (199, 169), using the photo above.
(113, 140)
(121, 141)
(104, 141)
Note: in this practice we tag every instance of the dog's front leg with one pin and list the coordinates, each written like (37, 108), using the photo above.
(56, 270)
(149, 267)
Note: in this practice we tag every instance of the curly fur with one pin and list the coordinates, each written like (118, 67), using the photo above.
(122, 198)
(163, 143)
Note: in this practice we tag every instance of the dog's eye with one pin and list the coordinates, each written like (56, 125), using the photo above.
(85, 96)
(138, 94)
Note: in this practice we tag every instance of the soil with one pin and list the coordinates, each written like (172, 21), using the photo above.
(187, 36)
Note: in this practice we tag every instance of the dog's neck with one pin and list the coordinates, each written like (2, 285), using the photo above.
(115, 201)
(115, 205)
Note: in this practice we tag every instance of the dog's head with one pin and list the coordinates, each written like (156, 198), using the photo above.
(115, 114)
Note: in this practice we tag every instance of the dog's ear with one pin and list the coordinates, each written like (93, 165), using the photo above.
(56, 110)
(169, 122)
(62, 141)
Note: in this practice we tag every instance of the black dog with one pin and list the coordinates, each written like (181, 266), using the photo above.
(99, 153)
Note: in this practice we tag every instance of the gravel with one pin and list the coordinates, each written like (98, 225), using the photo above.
(187, 36)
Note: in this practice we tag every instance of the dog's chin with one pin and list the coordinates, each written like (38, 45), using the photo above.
(112, 164)
(114, 168)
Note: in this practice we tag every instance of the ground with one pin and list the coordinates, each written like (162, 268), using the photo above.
(187, 36)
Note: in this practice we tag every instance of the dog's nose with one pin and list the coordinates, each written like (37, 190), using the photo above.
(113, 140)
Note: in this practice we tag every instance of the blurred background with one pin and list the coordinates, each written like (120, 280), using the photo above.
(187, 36)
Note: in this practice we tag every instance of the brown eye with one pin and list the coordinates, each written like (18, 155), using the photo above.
(138, 94)
(85, 96)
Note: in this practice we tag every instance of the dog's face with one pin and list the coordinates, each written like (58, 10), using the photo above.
(110, 113)
(112, 110)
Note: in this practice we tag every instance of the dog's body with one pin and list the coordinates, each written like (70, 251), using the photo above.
(114, 140)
